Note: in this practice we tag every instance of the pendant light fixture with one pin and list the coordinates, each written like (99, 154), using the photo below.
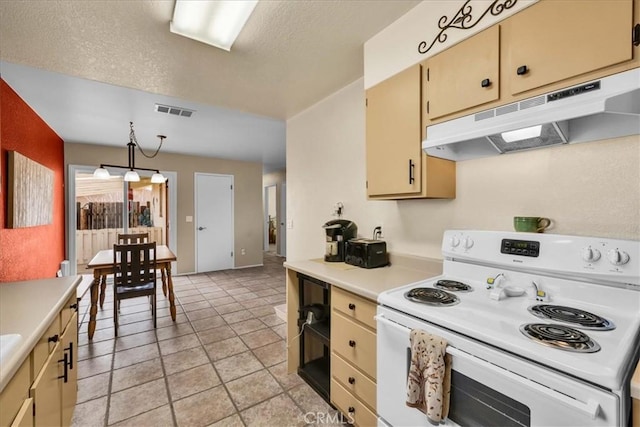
(131, 175)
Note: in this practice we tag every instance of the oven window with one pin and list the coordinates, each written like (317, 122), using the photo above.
(473, 404)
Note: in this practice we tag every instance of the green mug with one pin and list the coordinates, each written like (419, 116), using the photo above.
(531, 224)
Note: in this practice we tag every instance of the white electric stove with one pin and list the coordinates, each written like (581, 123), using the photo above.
(542, 330)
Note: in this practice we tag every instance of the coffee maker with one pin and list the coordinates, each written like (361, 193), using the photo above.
(338, 232)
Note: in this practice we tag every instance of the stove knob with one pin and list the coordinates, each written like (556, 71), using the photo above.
(468, 243)
(590, 255)
(455, 241)
(618, 257)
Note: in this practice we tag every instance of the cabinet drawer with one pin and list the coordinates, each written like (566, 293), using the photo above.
(355, 343)
(68, 310)
(350, 406)
(14, 394)
(354, 381)
(25, 415)
(45, 346)
(353, 306)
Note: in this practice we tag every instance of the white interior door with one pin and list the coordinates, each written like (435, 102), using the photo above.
(282, 220)
(214, 222)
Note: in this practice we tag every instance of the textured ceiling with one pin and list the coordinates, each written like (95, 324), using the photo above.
(290, 55)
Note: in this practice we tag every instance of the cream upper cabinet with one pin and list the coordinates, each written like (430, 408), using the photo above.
(556, 40)
(397, 168)
(463, 76)
(394, 134)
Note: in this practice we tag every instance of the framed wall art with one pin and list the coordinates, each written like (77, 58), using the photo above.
(30, 192)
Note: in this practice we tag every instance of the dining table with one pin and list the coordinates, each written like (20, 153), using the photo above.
(102, 266)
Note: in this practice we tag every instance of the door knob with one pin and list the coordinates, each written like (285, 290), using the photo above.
(201, 228)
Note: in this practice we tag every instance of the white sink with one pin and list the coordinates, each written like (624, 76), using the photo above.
(8, 342)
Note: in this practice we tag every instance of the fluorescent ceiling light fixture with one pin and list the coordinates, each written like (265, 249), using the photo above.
(520, 134)
(217, 23)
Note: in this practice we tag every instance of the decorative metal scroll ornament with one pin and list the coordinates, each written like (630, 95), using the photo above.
(463, 20)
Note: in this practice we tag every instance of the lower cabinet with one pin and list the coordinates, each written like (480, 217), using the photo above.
(353, 357)
(44, 390)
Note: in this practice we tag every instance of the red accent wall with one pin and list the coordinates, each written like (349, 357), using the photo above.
(31, 252)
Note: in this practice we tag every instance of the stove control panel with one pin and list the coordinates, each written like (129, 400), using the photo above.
(520, 247)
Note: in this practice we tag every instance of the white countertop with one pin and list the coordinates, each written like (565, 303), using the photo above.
(27, 308)
(369, 283)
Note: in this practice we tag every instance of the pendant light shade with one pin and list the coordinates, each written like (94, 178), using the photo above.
(157, 178)
(131, 176)
(101, 173)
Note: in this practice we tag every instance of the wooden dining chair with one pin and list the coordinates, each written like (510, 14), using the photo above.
(128, 238)
(134, 275)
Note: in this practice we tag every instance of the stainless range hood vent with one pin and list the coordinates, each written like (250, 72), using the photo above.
(602, 109)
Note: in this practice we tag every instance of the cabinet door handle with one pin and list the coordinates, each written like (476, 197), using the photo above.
(352, 306)
(70, 350)
(74, 306)
(352, 343)
(411, 169)
(53, 338)
(352, 380)
(522, 70)
(65, 360)
(485, 83)
(351, 410)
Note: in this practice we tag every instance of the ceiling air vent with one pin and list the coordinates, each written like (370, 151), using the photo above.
(174, 111)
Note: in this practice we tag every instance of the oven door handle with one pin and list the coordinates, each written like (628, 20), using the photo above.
(591, 407)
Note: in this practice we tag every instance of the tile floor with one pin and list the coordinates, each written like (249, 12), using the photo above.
(222, 363)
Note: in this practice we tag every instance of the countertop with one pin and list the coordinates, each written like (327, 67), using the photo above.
(369, 283)
(28, 308)
(635, 383)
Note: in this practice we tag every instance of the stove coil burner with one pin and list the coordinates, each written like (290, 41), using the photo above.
(560, 337)
(573, 316)
(453, 286)
(431, 296)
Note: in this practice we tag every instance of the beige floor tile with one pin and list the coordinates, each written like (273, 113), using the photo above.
(260, 338)
(184, 360)
(203, 408)
(281, 330)
(94, 366)
(137, 400)
(90, 414)
(101, 335)
(167, 321)
(237, 366)
(202, 314)
(208, 323)
(238, 291)
(253, 303)
(272, 320)
(135, 355)
(229, 308)
(94, 349)
(221, 301)
(159, 417)
(278, 411)
(186, 292)
(136, 374)
(247, 326)
(286, 380)
(174, 345)
(173, 331)
(253, 388)
(232, 421)
(216, 334)
(196, 306)
(93, 387)
(134, 328)
(308, 399)
(218, 293)
(135, 340)
(245, 297)
(225, 348)
(264, 310)
(272, 354)
(191, 298)
(192, 381)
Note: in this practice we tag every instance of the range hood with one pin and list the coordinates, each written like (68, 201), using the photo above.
(600, 109)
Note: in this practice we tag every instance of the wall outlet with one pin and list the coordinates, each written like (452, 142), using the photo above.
(189, 218)
(243, 251)
(289, 223)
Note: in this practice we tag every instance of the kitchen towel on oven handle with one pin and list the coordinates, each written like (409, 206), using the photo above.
(429, 379)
